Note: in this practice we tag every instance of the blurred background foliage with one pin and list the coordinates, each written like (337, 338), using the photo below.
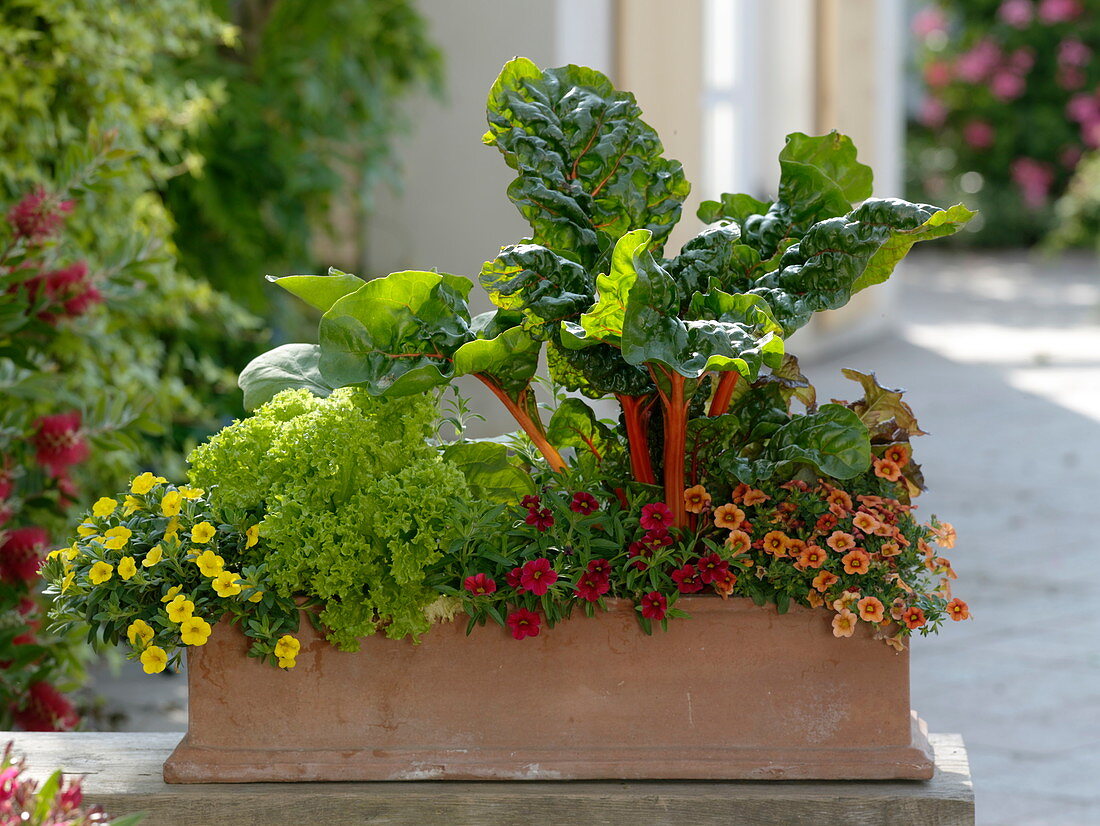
(1009, 104)
(197, 144)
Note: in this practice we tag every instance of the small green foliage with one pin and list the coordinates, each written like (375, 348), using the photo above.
(354, 503)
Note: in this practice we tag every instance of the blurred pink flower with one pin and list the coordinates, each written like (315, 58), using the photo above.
(1074, 53)
(1021, 60)
(1059, 11)
(1070, 156)
(932, 113)
(1083, 108)
(979, 134)
(1007, 85)
(1034, 179)
(937, 74)
(929, 21)
(1090, 134)
(976, 64)
(1016, 13)
(1070, 77)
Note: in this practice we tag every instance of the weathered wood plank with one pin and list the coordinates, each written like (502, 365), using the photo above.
(123, 773)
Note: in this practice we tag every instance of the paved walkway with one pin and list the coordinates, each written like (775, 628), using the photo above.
(1001, 356)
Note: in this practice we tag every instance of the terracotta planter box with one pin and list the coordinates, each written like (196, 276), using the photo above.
(735, 692)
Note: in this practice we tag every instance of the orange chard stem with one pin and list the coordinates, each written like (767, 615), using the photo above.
(531, 426)
(723, 394)
(676, 417)
(636, 415)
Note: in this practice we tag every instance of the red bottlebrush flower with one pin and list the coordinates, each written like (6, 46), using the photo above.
(537, 576)
(68, 490)
(656, 516)
(542, 519)
(479, 584)
(21, 554)
(513, 578)
(58, 443)
(710, 568)
(38, 215)
(524, 623)
(687, 580)
(46, 709)
(531, 501)
(71, 797)
(591, 587)
(600, 568)
(584, 503)
(654, 606)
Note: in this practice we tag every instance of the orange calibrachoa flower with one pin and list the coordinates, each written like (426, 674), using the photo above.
(856, 561)
(913, 618)
(755, 497)
(887, 470)
(844, 624)
(840, 503)
(898, 454)
(696, 499)
(958, 610)
(944, 566)
(840, 541)
(824, 581)
(944, 535)
(865, 522)
(815, 599)
(810, 556)
(897, 643)
(889, 549)
(846, 601)
(738, 542)
(724, 582)
(897, 608)
(729, 517)
(871, 609)
(775, 543)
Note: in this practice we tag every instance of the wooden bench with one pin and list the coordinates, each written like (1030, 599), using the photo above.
(122, 773)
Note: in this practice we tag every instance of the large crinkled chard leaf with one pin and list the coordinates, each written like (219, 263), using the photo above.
(320, 291)
(588, 165)
(574, 424)
(396, 335)
(715, 256)
(728, 333)
(819, 178)
(597, 371)
(510, 359)
(289, 367)
(538, 282)
(604, 321)
(839, 256)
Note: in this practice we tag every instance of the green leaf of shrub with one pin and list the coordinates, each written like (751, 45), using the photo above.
(320, 291)
(574, 424)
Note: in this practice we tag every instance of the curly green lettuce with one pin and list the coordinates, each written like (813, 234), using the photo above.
(355, 504)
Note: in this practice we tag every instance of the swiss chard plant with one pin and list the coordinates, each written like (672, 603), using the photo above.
(691, 346)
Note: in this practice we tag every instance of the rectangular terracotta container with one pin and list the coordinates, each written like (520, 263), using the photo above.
(734, 692)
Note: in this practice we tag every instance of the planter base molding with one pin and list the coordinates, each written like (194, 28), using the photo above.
(735, 692)
(122, 772)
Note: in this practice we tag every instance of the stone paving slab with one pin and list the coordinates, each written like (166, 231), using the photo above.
(122, 772)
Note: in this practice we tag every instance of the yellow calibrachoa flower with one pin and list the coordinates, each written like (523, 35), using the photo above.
(85, 530)
(253, 536)
(140, 630)
(287, 647)
(67, 581)
(156, 553)
(57, 553)
(170, 503)
(191, 493)
(202, 532)
(173, 592)
(145, 482)
(131, 504)
(194, 631)
(153, 659)
(256, 597)
(101, 572)
(127, 567)
(210, 564)
(287, 662)
(180, 608)
(172, 528)
(118, 537)
(104, 506)
(226, 584)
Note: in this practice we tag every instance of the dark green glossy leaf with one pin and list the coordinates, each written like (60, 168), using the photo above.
(715, 256)
(588, 165)
(396, 335)
(575, 425)
(510, 359)
(538, 282)
(291, 366)
(489, 471)
(832, 440)
(596, 371)
(319, 291)
(822, 271)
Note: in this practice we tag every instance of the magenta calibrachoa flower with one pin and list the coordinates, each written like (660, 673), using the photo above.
(654, 606)
(584, 503)
(537, 576)
(479, 584)
(656, 517)
(524, 623)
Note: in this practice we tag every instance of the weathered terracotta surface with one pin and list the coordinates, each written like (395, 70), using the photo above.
(735, 692)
